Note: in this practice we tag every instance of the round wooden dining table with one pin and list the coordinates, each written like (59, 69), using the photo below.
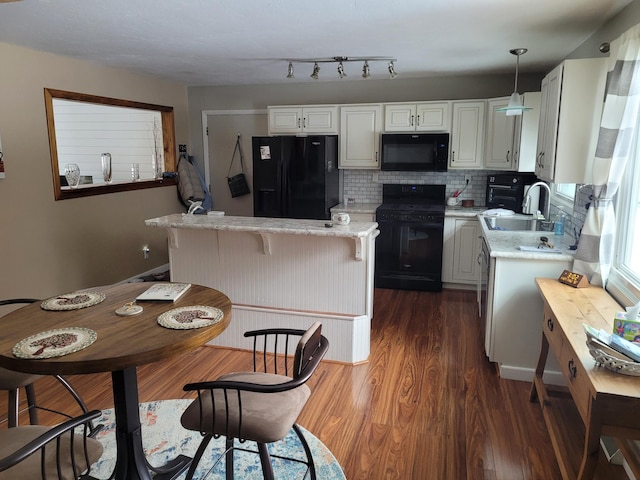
(122, 343)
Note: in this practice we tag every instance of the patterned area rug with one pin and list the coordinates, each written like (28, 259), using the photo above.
(164, 439)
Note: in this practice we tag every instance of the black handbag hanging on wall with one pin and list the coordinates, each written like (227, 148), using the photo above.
(237, 183)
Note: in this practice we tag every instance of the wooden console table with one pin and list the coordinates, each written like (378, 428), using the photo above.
(608, 403)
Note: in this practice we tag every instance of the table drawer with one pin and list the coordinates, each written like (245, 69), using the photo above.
(552, 331)
(577, 379)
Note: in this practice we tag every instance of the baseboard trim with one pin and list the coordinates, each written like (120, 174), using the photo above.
(526, 375)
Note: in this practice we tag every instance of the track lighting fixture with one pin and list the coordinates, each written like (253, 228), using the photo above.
(515, 105)
(316, 70)
(366, 69)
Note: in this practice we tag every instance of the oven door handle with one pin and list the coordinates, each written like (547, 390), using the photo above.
(400, 223)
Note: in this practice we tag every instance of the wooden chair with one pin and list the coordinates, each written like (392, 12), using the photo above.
(63, 452)
(263, 405)
(11, 382)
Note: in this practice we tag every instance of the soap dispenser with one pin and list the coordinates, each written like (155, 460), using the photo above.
(558, 225)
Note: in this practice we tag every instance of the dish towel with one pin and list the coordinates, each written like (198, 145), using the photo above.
(499, 212)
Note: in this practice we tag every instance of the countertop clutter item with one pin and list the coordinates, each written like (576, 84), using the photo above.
(340, 218)
(164, 292)
(467, 203)
(558, 224)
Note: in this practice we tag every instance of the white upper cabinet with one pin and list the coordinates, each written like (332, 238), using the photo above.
(467, 135)
(360, 128)
(511, 140)
(322, 119)
(570, 111)
(417, 117)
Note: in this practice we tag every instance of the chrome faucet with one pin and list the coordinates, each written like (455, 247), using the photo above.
(547, 203)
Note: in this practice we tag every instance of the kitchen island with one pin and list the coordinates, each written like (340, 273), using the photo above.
(511, 306)
(281, 272)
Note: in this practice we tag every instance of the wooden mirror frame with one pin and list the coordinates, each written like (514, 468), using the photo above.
(168, 138)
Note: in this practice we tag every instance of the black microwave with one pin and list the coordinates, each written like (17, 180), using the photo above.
(415, 152)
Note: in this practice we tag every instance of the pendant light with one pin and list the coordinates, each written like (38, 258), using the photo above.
(515, 105)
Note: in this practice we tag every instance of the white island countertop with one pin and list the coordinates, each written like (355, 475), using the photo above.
(262, 225)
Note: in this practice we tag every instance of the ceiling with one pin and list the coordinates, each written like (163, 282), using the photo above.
(229, 42)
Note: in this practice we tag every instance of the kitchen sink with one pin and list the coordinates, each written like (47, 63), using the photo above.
(517, 223)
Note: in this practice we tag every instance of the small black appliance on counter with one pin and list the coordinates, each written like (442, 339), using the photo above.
(506, 190)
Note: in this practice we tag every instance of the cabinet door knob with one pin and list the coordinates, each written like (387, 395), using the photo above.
(507, 156)
(412, 120)
(573, 371)
(550, 324)
(453, 156)
(418, 122)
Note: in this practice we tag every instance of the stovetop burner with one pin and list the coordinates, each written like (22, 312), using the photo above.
(413, 198)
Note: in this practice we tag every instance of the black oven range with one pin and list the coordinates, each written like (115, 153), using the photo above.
(409, 248)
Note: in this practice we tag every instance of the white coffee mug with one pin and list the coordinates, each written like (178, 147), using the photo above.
(340, 218)
(453, 201)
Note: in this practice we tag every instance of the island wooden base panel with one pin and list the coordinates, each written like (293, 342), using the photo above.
(428, 405)
(349, 335)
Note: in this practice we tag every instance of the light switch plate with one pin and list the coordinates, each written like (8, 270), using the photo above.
(1, 160)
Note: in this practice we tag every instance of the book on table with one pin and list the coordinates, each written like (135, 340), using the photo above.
(163, 292)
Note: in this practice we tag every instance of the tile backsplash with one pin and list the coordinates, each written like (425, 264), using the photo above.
(365, 186)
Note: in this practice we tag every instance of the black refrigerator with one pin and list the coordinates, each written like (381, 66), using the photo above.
(295, 177)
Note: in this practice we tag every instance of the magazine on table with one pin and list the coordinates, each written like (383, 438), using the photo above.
(164, 292)
(619, 344)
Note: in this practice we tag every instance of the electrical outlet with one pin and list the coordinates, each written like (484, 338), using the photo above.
(146, 252)
(467, 179)
(182, 148)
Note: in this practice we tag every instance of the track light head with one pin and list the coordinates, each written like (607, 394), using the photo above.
(392, 70)
(341, 72)
(316, 70)
(366, 73)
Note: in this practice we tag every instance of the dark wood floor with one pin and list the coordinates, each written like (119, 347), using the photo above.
(428, 404)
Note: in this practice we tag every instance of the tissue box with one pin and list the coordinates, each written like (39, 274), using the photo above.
(627, 329)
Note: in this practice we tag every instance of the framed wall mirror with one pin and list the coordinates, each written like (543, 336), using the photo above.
(102, 145)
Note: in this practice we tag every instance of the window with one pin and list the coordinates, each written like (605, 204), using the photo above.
(563, 194)
(624, 282)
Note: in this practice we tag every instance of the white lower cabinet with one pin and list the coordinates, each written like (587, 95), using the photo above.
(461, 246)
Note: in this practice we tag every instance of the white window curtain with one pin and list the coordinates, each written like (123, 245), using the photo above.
(618, 129)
